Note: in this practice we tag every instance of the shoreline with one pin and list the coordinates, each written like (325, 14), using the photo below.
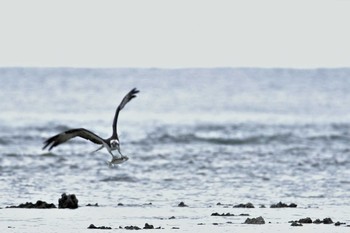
(181, 217)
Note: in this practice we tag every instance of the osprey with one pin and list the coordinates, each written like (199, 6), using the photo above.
(112, 143)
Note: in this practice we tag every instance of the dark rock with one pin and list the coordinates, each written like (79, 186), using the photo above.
(120, 204)
(258, 220)
(38, 205)
(305, 220)
(148, 226)
(68, 201)
(327, 221)
(223, 214)
(283, 205)
(248, 205)
(227, 214)
(296, 224)
(262, 206)
(92, 226)
(132, 228)
(279, 205)
(95, 205)
(223, 204)
(317, 221)
(172, 217)
(175, 228)
(292, 205)
(244, 215)
(339, 223)
(182, 204)
(43, 205)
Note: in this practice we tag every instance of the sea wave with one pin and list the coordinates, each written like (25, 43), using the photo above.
(4, 141)
(124, 178)
(189, 138)
(249, 134)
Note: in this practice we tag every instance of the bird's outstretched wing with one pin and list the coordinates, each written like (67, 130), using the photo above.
(69, 134)
(126, 99)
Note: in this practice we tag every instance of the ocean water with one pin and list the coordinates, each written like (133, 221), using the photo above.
(200, 136)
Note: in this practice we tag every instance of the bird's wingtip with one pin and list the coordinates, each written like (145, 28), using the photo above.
(135, 90)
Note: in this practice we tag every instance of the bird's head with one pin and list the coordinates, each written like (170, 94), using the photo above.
(114, 144)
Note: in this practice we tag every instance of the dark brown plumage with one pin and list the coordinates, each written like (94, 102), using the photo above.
(111, 143)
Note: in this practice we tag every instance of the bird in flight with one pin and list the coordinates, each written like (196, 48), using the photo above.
(112, 143)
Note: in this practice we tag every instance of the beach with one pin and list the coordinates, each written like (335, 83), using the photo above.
(210, 138)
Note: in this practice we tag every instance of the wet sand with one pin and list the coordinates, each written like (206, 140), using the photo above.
(210, 218)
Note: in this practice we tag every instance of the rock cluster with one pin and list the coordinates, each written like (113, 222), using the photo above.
(146, 227)
(223, 214)
(227, 214)
(283, 205)
(248, 205)
(132, 228)
(92, 226)
(38, 205)
(308, 220)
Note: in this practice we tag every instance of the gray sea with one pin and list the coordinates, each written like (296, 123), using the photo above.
(200, 136)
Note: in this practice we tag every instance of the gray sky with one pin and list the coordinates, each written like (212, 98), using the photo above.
(175, 34)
